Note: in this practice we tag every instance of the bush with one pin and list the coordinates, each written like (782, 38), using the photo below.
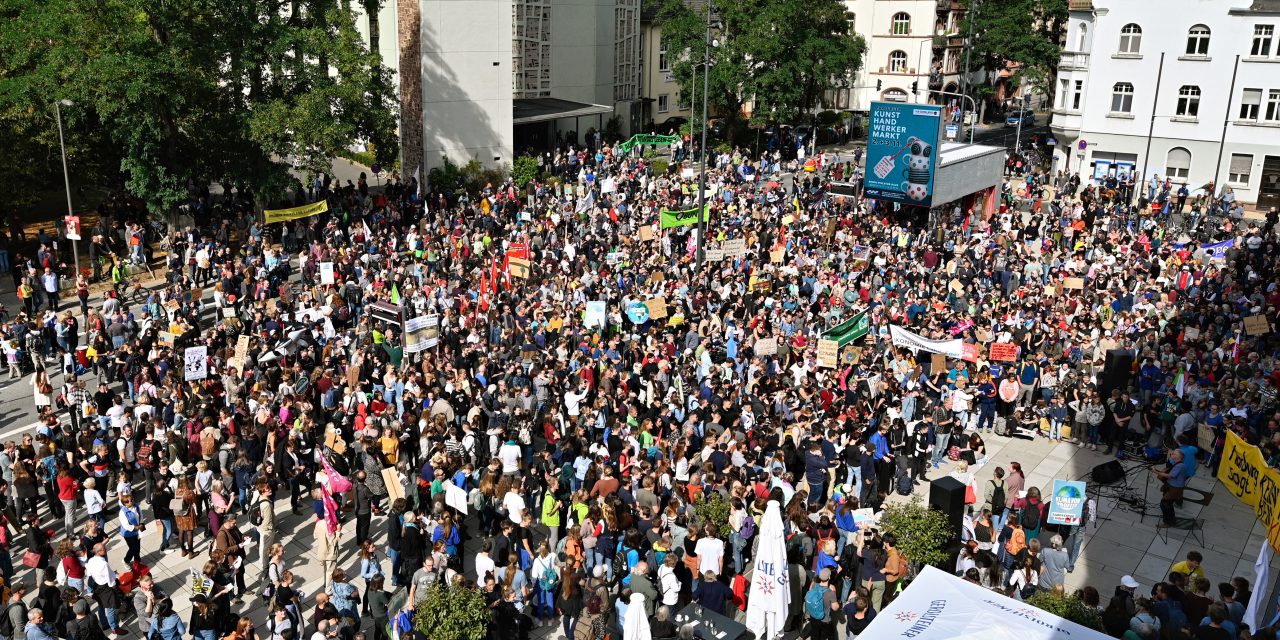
(524, 170)
(470, 178)
(1070, 607)
(923, 533)
(452, 614)
(712, 508)
(660, 167)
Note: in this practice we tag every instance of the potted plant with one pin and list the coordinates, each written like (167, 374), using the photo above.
(923, 534)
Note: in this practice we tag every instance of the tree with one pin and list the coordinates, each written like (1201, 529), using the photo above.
(201, 91)
(780, 54)
(1024, 33)
(922, 533)
(454, 613)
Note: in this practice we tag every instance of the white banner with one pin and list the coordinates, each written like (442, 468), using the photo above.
(195, 363)
(940, 606)
(903, 338)
(421, 333)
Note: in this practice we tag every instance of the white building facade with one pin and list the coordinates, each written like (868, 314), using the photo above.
(909, 42)
(1183, 89)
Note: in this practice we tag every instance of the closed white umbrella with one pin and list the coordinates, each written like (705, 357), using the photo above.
(770, 596)
(635, 626)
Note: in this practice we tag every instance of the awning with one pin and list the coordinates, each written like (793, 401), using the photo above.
(530, 110)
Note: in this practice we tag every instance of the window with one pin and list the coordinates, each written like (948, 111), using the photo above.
(681, 103)
(1262, 40)
(1178, 164)
(1189, 101)
(851, 20)
(901, 24)
(664, 104)
(1249, 102)
(663, 63)
(1122, 98)
(1075, 96)
(1084, 33)
(1130, 39)
(1062, 93)
(898, 62)
(1198, 41)
(895, 95)
(1240, 168)
(1273, 105)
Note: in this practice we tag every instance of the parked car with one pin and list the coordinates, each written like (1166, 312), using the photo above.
(671, 126)
(826, 135)
(1026, 117)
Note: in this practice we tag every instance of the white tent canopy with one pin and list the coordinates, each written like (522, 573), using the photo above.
(770, 596)
(940, 606)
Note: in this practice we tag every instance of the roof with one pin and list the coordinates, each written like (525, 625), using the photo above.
(1258, 7)
(953, 152)
(530, 110)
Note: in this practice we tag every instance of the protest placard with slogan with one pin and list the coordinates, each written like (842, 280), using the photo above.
(657, 308)
(828, 354)
(1004, 351)
(1256, 326)
(1244, 472)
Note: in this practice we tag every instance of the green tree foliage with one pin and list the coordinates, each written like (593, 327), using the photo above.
(712, 508)
(922, 532)
(1027, 33)
(780, 54)
(456, 613)
(523, 170)
(1070, 607)
(193, 92)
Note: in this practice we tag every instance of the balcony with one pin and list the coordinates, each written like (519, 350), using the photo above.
(1074, 61)
(1079, 5)
(1065, 122)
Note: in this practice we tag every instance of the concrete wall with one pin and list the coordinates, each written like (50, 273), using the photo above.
(466, 81)
(582, 50)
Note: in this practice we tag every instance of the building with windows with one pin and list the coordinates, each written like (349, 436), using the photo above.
(913, 46)
(1184, 89)
(487, 79)
(662, 99)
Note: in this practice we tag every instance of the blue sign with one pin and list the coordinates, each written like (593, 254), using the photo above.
(1067, 503)
(902, 152)
(638, 312)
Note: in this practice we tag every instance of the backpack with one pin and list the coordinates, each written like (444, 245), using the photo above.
(748, 528)
(1029, 516)
(997, 496)
(6, 622)
(815, 602)
(255, 513)
(208, 444)
(549, 579)
(143, 455)
(622, 562)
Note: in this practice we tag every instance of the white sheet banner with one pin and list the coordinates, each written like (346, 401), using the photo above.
(903, 338)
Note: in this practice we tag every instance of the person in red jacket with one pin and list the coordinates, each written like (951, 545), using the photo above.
(68, 488)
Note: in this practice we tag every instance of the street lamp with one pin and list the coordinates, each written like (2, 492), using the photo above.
(66, 178)
(702, 172)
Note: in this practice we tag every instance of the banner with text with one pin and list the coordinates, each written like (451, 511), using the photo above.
(951, 348)
(683, 218)
(1245, 473)
(305, 211)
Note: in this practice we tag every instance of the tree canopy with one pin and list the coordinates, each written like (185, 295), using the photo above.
(1026, 33)
(781, 55)
(180, 94)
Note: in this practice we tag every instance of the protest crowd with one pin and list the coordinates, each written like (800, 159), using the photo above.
(540, 391)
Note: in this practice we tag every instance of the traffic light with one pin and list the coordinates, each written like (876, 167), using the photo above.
(879, 85)
(915, 86)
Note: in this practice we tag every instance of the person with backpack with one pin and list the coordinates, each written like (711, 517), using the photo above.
(993, 498)
(13, 620)
(546, 577)
(1014, 541)
(820, 606)
(1031, 512)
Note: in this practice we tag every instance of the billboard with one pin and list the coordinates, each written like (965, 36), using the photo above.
(902, 152)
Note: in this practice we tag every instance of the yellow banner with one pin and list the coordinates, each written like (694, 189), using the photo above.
(305, 211)
(1245, 473)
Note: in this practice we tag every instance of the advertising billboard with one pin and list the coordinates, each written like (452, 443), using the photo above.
(902, 152)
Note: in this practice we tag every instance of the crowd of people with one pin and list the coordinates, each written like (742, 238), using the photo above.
(273, 366)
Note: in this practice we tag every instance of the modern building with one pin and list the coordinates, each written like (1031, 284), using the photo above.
(1184, 89)
(487, 79)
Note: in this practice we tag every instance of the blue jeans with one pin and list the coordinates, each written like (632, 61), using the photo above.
(737, 544)
(998, 519)
(940, 447)
(204, 634)
(168, 525)
(570, 622)
(986, 417)
(395, 565)
(1075, 542)
(107, 618)
(1055, 429)
(544, 604)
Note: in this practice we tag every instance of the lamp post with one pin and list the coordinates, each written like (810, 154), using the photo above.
(66, 178)
(702, 171)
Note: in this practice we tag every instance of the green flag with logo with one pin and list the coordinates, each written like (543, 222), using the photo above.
(684, 218)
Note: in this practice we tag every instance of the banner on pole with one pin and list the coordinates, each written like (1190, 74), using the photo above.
(688, 217)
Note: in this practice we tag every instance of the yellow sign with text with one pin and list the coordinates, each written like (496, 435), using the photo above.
(305, 211)
(1244, 472)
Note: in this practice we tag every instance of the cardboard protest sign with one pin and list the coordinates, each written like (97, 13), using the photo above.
(391, 479)
(646, 233)
(735, 248)
(828, 354)
(657, 308)
(713, 255)
(766, 347)
(1256, 326)
(937, 362)
(1073, 283)
(519, 268)
(775, 256)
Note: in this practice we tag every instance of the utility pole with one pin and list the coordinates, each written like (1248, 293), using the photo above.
(702, 172)
(66, 178)
(964, 73)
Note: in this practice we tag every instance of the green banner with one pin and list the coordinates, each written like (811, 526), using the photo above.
(644, 138)
(849, 330)
(683, 218)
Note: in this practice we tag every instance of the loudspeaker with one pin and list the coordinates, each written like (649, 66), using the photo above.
(1107, 472)
(946, 494)
(1116, 373)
